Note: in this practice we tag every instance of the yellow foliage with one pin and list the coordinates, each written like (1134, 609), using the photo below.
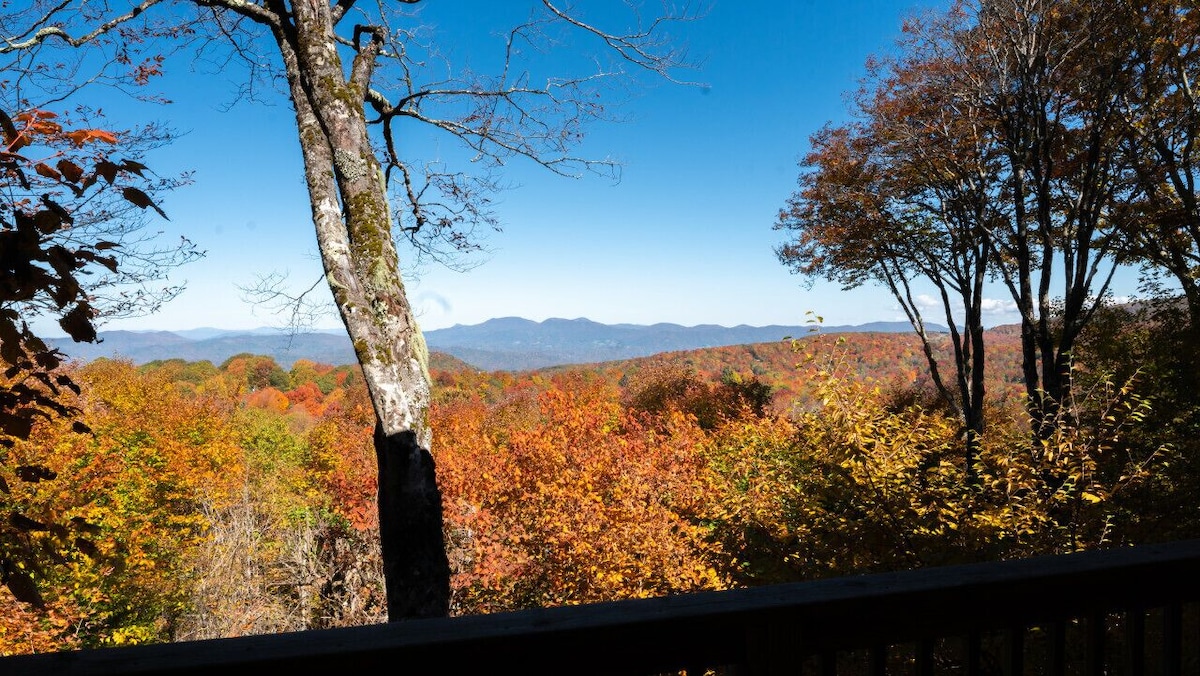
(139, 483)
(853, 486)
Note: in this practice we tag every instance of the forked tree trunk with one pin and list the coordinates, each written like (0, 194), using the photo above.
(354, 232)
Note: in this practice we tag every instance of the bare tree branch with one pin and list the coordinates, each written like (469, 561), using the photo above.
(246, 9)
(43, 34)
(302, 311)
(644, 47)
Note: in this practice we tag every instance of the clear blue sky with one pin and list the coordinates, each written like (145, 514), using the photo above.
(684, 237)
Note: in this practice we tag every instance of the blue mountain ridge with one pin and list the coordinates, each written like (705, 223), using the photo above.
(502, 344)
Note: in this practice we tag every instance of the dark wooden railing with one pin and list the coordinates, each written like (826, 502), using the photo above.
(1123, 611)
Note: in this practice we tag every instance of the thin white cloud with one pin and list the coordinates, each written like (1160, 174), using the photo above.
(432, 303)
(930, 306)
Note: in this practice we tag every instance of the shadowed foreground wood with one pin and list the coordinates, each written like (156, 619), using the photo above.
(760, 630)
(416, 570)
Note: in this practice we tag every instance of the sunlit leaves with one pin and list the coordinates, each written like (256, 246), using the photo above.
(128, 497)
(82, 137)
(42, 273)
(561, 487)
(866, 481)
(582, 502)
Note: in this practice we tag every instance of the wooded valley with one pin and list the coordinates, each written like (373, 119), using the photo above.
(233, 499)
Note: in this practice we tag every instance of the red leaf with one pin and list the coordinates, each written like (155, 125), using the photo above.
(11, 135)
(86, 547)
(34, 473)
(82, 137)
(101, 135)
(133, 167)
(72, 171)
(18, 426)
(108, 170)
(48, 171)
(107, 261)
(24, 523)
(78, 324)
(59, 210)
(22, 586)
(66, 382)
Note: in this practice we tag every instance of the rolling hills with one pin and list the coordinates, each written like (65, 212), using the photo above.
(506, 344)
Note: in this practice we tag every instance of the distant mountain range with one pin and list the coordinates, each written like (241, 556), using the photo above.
(506, 344)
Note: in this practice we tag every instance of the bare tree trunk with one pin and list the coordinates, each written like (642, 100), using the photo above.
(353, 222)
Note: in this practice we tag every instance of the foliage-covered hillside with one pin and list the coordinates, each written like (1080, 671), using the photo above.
(894, 359)
(223, 500)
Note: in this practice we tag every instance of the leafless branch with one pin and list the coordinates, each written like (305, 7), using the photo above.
(39, 36)
(247, 9)
(645, 47)
(498, 118)
(301, 310)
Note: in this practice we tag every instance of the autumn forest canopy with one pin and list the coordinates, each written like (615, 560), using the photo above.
(1034, 146)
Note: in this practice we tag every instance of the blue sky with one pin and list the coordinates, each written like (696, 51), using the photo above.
(684, 237)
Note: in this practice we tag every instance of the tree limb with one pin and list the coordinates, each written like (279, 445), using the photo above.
(43, 34)
(638, 48)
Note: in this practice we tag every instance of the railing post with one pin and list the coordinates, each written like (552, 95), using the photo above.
(829, 663)
(1135, 641)
(773, 648)
(1058, 648)
(925, 657)
(1094, 659)
(974, 653)
(878, 656)
(1172, 639)
(1014, 651)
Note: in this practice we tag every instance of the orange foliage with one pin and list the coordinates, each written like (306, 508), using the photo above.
(588, 504)
(307, 370)
(308, 397)
(249, 373)
(268, 398)
(156, 460)
(29, 630)
(342, 457)
(559, 487)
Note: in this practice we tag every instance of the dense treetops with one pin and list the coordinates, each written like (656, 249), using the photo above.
(239, 498)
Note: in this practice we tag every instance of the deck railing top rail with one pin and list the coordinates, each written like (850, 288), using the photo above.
(656, 635)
